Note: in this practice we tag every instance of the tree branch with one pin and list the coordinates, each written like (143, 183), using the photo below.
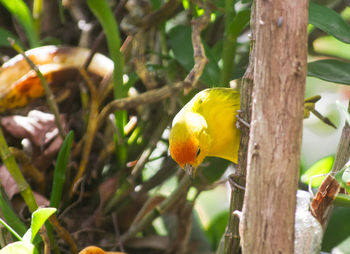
(276, 128)
(232, 238)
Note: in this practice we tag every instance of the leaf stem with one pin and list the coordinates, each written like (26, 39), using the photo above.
(230, 43)
(12, 167)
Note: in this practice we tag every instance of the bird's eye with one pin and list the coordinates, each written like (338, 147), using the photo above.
(198, 152)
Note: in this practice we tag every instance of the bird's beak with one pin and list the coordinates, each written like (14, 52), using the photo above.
(191, 170)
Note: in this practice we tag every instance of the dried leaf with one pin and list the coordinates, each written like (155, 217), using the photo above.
(39, 127)
(106, 190)
(323, 200)
(7, 182)
(11, 188)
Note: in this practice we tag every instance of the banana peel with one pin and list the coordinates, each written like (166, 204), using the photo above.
(19, 84)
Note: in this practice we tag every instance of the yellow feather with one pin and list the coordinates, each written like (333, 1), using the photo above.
(206, 123)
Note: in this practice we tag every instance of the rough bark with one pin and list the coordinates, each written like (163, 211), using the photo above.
(267, 224)
(232, 238)
(343, 151)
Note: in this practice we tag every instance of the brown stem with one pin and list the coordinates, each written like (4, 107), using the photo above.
(231, 237)
(161, 14)
(90, 132)
(63, 233)
(343, 151)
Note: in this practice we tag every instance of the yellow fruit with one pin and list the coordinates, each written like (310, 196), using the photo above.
(206, 126)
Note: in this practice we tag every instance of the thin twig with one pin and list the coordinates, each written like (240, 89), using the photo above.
(160, 15)
(90, 132)
(77, 202)
(117, 233)
(168, 169)
(144, 98)
(129, 185)
(137, 170)
(323, 118)
(46, 241)
(159, 210)
(63, 233)
(231, 243)
(29, 169)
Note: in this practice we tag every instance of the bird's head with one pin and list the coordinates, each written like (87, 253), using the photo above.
(189, 141)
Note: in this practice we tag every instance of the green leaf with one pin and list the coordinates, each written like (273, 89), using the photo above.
(19, 247)
(323, 166)
(4, 34)
(330, 70)
(38, 219)
(22, 14)
(240, 21)
(343, 247)
(104, 14)
(343, 177)
(60, 170)
(234, 25)
(216, 228)
(10, 216)
(181, 44)
(198, 235)
(329, 21)
(338, 228)
(330, 46)
(342, 200)
(9, 228)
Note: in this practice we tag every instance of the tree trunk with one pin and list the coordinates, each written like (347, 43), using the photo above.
(280, 62)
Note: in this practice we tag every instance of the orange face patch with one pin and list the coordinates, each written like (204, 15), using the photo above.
(184, 152)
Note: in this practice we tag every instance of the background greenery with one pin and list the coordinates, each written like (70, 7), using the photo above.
(163, 47)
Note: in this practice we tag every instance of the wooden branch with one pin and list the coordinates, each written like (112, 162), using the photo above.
(267, 224)
(343, 151)
(144, 98)
(159, 210)
(232, 238)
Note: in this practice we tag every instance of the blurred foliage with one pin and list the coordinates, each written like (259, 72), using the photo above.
(217, 228)
(338, 229)
(22, 14)
(128, 173)
(330, 70)
(317, 172)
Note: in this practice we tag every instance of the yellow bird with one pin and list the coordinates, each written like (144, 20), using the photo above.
(206, 126)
